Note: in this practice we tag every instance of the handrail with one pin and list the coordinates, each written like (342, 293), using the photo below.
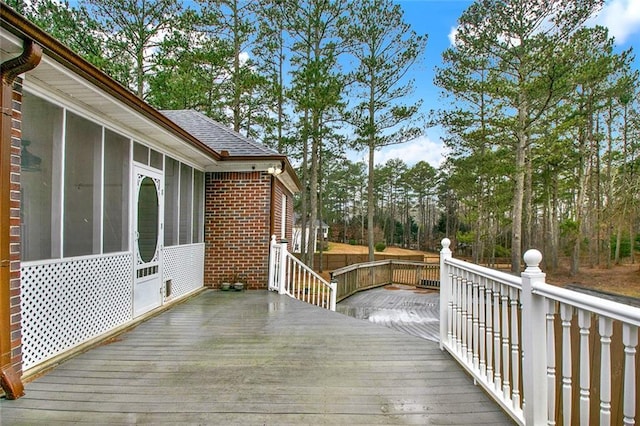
(597, 305)
(483, 271)
(304, 267)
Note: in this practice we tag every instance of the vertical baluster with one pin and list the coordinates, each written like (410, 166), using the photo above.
(506, 382)
(472, 322)
(465, 313)
(606, 330)
(497, 330)
(551, 363)
(299, 281)
(308, 287)
(584, 323)
(458, 312)
(302, 287)
(566, 314)
(326, 291)
(469, 319)
(450, 307)
(630, 341)
(327, 295)
(290, 279)
(489, 330)
(454, 309)
(482, 321)
(314, 286)
(515, 347)
(325, 298)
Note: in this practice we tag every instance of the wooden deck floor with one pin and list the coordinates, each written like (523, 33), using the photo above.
(256, 358)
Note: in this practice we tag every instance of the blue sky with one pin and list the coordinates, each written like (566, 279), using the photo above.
(438, 18)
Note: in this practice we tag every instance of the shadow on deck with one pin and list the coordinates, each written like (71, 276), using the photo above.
(256, 358)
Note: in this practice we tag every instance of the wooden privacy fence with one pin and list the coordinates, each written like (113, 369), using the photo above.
(546, 354)
(363, 276)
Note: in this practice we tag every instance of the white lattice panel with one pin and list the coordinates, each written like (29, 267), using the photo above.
(184, 266)
(69, 302)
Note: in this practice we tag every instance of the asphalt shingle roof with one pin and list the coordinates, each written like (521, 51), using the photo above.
(216, 135)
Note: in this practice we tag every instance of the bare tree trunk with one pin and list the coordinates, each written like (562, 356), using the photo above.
(304, 201)
(313, 183)
(517, 203)
(527, 241)
(618, 242)
(610, 216)
(370, 207)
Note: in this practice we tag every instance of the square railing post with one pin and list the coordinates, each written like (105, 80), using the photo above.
(272, 263)
(334, 290)
(283, 267)
(445, 290)
(534, 342)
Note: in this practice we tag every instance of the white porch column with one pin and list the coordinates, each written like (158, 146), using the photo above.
(445, 291)
(534, 363)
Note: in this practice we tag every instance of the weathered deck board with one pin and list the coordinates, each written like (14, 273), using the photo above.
(403, 308)
(256, 358)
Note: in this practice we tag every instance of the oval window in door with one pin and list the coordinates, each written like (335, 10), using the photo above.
(147, 219)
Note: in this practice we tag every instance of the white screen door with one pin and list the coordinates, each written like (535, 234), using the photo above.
(148, 241)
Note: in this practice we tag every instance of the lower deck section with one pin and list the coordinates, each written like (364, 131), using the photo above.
(256, 357)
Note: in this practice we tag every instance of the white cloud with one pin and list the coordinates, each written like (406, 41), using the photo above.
(452, 36)
(421, 149)
(244, 58)
(621, 17)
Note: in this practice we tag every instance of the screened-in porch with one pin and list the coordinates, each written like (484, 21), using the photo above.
(112, 227)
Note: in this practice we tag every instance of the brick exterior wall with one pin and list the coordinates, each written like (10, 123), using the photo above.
(14, 230)
(236, 227)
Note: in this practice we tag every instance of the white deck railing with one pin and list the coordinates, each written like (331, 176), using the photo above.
(546, 354)
(288, 275)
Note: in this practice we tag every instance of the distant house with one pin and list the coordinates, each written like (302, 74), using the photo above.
(319, 232)
(111, 209)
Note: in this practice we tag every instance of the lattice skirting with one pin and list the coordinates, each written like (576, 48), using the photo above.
(184, 266)
(67, 303)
